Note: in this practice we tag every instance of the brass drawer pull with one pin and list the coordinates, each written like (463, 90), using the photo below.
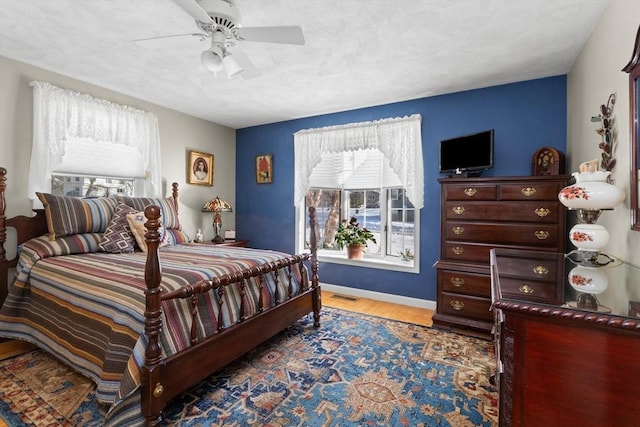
(539, 269)
(458, 210)
(526, 289)
(528, 191)
(457, 305)
(457, 281)
(542, 212)
(458, 230)
(542, 235)
(470, 192)
(458, 250)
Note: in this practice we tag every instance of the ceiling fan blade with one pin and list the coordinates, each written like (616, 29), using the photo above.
(286, 35)
(249, 70)
(194, 9)
(164, 42)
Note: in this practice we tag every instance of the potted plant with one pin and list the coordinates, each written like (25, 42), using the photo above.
(350, 234)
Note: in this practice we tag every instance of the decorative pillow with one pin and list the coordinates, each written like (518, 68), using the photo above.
(168, 210)
(118, 238)
(136, 221)
(70, 215)
(176, 237)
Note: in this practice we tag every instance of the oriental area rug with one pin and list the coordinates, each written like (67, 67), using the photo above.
(355, 370)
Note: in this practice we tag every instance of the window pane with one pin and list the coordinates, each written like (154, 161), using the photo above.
(364, 205)
(86, 186)
(402, 220)
(327, 203)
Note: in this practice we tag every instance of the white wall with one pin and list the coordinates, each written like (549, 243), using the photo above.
(178, 134)
(596, 74)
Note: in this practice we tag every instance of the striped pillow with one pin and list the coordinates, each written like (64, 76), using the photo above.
(67, 216)
(168, 209)
(177, 237)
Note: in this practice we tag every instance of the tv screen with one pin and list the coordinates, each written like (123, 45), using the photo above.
(469, 154)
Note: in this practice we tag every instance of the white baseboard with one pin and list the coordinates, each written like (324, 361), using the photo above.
(379, 296)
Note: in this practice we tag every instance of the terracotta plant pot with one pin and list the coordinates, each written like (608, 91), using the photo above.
(355, 251)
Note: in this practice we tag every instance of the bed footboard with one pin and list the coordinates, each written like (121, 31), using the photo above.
(204, 357)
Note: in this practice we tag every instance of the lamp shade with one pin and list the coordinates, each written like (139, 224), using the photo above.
(212, 60)
(217, 205)
(591, 192)
(231, 66)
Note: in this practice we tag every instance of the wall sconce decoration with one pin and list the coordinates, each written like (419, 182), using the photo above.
(607, 132)
(217, 205)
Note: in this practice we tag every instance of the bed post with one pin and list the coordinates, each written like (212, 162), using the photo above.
(315, 285)
(4, 267)
(174, 195)
(153, 400)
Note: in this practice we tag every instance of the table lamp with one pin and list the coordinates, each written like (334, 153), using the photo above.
(217, 205)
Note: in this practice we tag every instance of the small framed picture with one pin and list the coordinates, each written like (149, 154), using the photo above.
(264, 169)
(200, 168)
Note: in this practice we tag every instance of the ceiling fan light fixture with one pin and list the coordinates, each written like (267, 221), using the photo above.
(211, 61)
(231, 66)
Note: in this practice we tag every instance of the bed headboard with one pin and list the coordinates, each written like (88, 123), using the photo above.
(27, 228)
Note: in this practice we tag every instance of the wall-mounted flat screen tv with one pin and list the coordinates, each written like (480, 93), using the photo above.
(467, 155)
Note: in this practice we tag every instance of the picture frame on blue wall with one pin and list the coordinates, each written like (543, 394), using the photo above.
(264, 169)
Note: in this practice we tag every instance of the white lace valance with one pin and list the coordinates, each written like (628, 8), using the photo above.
(399, 140)
(64, 117)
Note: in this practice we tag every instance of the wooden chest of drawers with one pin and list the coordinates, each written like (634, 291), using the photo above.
(478, 214)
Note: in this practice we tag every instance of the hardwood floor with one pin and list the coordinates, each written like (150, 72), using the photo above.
(419, 316)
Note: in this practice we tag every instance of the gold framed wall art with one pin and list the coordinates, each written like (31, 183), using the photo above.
(264, 169)
(200, 168)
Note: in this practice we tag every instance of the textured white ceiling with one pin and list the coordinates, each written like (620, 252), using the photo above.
(358, 53)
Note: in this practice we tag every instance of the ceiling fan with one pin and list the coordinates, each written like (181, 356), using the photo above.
(220, 22)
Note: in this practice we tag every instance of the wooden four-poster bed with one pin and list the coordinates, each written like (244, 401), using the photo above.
(144, 326)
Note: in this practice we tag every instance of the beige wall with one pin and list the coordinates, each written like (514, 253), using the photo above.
(178, 133)
(595, 74)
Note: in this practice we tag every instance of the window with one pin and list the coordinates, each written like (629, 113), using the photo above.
(91, 146)
(91, 186)
(389, 215)
(371, 171)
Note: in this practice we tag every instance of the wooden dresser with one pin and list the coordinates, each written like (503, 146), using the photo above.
(559, 364)
(478, 214)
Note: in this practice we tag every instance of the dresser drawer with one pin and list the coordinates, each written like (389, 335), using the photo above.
(539, 235)
(458, 251)
(466, 306)
(531, 290)
(530, 191)
(539, 212)
(465, 283)
(471, 192)
(549, 269)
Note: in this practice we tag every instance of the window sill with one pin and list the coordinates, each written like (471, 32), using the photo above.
(341, 258)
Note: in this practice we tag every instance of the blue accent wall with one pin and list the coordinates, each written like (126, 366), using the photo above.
(526, 116)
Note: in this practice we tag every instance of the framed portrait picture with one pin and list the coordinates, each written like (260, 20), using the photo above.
(199, 168)
(264, 169)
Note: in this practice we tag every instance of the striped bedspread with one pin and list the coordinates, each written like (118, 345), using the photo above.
(87, 307)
